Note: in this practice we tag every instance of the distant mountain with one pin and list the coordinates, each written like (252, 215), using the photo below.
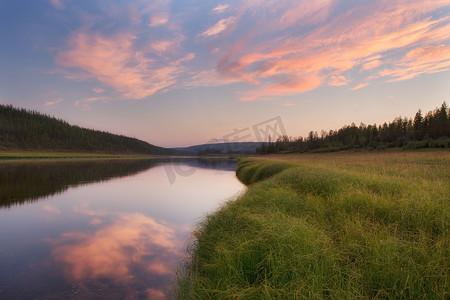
(21, 129)
(222, 148)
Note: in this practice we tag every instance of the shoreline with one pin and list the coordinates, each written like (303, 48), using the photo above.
(8, 156)
(361, 225)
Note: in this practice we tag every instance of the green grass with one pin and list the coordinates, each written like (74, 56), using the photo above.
(335, 226)
(18, 155)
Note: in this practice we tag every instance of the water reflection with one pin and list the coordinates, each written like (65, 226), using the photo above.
(130, 251)
(127, 241)
(25, 182)
(29, 181)
(118, 237)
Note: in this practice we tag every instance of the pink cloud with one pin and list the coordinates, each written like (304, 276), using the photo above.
(427, 60)
(307, 12)
(155, 294)
(354, 38)
(287, 103)
(159, 18)
(53, 102)
(84, 103)
(220, 8)
(84, 209)
(359, 86)
(161, 46)
(111, 251)
(289, 86)
(220, 26)
(275, 47)
(114, 61)
(52, 209)
(337, 80)
(96, 221)
(206, 78)
(371, 65)
(165, 47)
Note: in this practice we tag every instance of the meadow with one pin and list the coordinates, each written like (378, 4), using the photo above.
(372, 225)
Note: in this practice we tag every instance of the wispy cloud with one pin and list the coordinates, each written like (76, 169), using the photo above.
(337, 80)
(275, 48)
(159, 18)
(220, 26)
(371, 64)
(287, 103)
(84, 103)
(53, 102)
(52, 209)
(359, 86)
(427, 60)
(220, 8)
(166, 46)
(292, 85)
(114, 61)
(206, 78)
(336, 43)
(306, 12)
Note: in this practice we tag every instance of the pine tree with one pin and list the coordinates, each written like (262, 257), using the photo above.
(443, 120)
(418, 126)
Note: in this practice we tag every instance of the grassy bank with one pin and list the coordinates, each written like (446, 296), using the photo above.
(18, 155)
(339, 226)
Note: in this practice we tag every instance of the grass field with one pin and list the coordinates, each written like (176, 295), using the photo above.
(336, 226)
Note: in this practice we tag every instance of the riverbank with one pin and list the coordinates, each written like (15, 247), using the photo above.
(348, 225)
(11, 156)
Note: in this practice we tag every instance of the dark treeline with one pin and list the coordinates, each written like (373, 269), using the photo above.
(31, 130)
(431, 130)
(228, 148)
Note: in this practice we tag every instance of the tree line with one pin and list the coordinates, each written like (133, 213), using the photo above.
(431, 130)
(30, 130)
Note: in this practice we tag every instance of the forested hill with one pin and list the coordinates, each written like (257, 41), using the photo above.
(30, 130)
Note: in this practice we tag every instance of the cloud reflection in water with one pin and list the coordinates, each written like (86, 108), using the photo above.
(133, 248)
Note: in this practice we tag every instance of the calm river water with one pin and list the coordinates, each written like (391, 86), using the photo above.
(111, 229)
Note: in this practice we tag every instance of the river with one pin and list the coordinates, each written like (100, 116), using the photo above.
(107, 229)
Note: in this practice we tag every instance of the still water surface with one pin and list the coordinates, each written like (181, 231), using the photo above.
(102, 229)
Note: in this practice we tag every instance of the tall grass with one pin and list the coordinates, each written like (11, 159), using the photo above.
(328, 226)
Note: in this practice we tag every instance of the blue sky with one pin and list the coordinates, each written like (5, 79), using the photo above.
(177, 73)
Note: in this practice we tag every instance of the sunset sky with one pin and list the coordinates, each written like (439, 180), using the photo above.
(179, 73)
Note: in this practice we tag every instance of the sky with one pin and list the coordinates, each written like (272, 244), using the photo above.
(185, 72)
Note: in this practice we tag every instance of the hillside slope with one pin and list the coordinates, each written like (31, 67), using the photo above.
(30, 130)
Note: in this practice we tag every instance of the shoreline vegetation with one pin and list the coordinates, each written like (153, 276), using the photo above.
(332, 225)
(9, 156)
(19, 156)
